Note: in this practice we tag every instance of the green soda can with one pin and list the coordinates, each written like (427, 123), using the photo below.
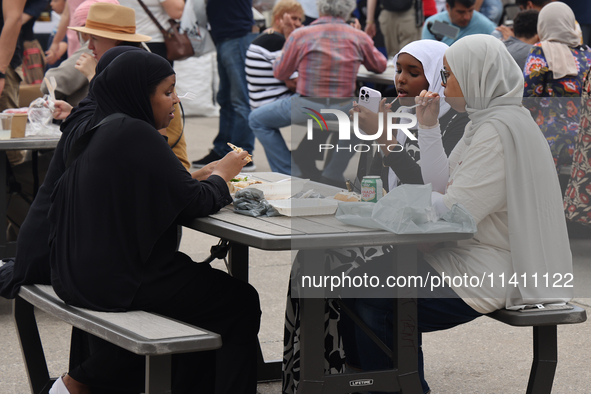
(371, 189)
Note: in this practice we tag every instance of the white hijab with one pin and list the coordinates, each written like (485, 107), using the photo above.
(492, 85)
(558, 33)
(430, 54)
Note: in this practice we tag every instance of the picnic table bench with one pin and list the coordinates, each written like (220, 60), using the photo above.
(154, 336)
(545, 340)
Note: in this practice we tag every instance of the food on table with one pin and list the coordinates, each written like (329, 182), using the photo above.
(238, 150)
(240, 183)
(347, 196)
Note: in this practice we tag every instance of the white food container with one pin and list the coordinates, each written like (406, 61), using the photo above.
(280, 190)
(305, 206)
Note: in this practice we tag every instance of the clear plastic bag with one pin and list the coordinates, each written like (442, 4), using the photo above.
(406, 210)
(251, 202)
(40, 114)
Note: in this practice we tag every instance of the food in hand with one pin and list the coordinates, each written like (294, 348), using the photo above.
(240, 183)
(238, 150)
(347, 196)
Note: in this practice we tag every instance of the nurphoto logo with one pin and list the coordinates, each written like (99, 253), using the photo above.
(345, 129)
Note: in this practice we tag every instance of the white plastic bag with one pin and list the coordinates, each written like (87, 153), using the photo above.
(194, 23)
(198, 75)
(406, 210)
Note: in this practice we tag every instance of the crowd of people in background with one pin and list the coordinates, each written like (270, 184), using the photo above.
(529, 59)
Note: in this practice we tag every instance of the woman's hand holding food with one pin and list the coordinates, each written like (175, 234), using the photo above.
(61, 109)
(428, 111)
(231, 165)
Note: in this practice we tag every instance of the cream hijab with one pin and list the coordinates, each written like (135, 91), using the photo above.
(557, 31)
(492, 85)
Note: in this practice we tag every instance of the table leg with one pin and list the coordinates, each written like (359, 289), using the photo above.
(238, 265)
(3, 245)
(31, 347)
(312, 326)
(406, 332)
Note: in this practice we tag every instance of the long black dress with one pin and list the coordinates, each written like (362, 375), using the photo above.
(113, 222)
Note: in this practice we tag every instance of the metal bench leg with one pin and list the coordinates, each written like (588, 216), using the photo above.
(158, 374)
(31, 347)
(543, 368)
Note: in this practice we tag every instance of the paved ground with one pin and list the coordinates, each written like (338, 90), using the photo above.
(481, 357)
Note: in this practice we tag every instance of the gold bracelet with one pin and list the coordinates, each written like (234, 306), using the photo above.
(368, 22)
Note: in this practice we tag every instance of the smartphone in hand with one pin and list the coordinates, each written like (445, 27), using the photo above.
(370, 99)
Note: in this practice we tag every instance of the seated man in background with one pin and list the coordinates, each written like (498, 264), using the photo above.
(461, 14)
(327, 55)
(525, 28)
(263, 87)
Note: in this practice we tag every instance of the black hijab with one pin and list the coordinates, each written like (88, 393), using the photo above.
(119, 199)
(124, 89)
(31, 264)
(87, 107)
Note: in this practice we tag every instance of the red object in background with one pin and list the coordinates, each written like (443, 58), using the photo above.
(429, 8)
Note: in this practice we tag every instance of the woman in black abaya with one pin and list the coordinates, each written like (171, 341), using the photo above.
(113, 230)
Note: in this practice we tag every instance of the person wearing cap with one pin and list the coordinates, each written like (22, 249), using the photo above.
(107, 26)
(101, 25)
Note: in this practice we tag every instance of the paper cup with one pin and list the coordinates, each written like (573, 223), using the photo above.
(19, 124)
(5, 126)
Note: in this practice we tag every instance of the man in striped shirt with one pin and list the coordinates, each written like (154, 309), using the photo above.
(327, 55)
(263, 87)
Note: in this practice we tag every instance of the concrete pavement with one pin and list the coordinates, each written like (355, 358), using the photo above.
(484, 356)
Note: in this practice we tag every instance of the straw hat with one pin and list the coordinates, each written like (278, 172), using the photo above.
(111, 21)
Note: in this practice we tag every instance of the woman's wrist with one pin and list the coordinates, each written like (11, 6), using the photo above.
(426, 127)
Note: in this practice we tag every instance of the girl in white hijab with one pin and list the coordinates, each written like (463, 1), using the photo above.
(418, 67)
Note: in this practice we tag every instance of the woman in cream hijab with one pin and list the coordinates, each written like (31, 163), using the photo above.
(556, 68)
(501, 171)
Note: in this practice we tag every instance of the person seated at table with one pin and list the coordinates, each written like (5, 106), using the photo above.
(72, 84)
(525, 29)
(263, 87)
(500, 162)
(135, 212)
(460, 14)
(92, 22)
(418, 68)
(327, 55)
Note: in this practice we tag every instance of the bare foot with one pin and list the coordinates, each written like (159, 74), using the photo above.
(74, 386)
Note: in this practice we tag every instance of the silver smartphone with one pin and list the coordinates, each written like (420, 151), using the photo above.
(445, 29)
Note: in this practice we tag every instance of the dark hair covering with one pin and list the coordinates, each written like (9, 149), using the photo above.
(465, 3)
(538, 3)
(525, 23)
(113, 212)
(31, 264)
(123, 87)
(87, 106)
